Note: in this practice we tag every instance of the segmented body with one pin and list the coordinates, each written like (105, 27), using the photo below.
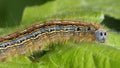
(34, 37)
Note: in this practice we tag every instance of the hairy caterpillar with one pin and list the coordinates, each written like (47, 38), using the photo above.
(34, 37)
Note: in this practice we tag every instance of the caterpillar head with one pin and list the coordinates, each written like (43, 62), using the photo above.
(101, 36)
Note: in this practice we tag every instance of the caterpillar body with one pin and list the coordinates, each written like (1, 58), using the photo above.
(34, 37)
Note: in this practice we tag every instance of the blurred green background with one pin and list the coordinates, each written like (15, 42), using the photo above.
(11, 12)
(16, 15)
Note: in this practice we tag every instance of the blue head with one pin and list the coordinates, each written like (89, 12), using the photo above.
(101, 36)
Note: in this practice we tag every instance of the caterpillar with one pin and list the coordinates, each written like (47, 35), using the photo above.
(35, 36)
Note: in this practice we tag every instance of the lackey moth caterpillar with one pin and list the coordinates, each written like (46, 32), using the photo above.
(34, 37)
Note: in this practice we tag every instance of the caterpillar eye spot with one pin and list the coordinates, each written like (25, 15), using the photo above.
(100, 36)
(101, 33)
(105, 33)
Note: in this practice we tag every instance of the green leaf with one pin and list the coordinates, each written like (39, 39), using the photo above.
(18, 62)
(82, 55)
